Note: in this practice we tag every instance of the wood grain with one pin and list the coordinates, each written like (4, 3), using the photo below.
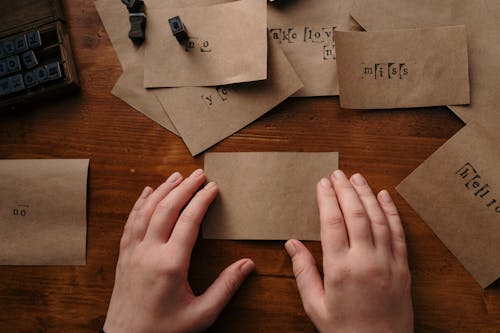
(128, 151)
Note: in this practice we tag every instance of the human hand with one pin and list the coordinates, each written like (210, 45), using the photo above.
(366, 285)
(151, 292)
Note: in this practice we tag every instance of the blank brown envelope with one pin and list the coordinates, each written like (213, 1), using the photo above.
(304, 29)
(403, 68)
(266, 195)
(130, 86)
(204, 116)
(43, 212)
(457, 193)
(227, 44)
(481, 20)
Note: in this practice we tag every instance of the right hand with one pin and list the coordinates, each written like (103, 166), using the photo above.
(366, 284)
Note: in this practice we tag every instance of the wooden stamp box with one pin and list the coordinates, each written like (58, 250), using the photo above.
(36, 61)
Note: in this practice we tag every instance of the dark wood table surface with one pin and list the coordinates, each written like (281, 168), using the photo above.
(129, 151)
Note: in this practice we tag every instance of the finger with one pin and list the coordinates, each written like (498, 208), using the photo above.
(126, 237)
(306, 274)
(333, 231)
(356, 219)
(379, 226)
(398, 242)
(187, 227)
(141, 213)
(210, 304)
(168, 209)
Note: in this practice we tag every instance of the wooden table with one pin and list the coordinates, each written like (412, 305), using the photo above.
(128, 151)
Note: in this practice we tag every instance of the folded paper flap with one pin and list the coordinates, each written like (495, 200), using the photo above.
(43, 212)
(403, 68)
(227, 44)
(204, 116)
(257, 198)
(463, 207)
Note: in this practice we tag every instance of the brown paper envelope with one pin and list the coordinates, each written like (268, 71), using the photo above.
(43, 212)
(129, 87)
(403, 68)
(266, 195)
(204, 116)
(483, 36)
(457, 193)
(304, 30)
(227, 45)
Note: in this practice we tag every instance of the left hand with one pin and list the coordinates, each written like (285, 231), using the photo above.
(151, 292)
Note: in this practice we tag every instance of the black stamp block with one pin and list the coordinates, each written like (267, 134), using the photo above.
(41, 74)
(54, 71)
(16, 83)
(178, 29)
(134, 6)
(13, 64)
(30, 79)
(34, 39)
(29, 59)
(21, 43)
(4, 86)
(9, 47)
(137, 31)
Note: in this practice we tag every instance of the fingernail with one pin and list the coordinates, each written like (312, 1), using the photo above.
(174, 177)
(146, 192)
(290, 248)
(386, 197)
(210, 185)
(339, 175)
(196, 173)
(247, 267)
(358, 180)
(325, 183)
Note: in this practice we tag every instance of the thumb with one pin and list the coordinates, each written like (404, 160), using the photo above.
(306, 273)
(224, 287)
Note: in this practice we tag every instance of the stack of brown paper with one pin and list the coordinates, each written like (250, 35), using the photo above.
(444, 201)
(43, 212)
(457, 192)
(403, 68)
(227, 44)
(202, 115)
(266, 195)
(483, 36)
(205, 116)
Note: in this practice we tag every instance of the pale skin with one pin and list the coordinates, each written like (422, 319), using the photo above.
(366, 285)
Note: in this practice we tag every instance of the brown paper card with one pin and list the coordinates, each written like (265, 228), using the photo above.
(227, 45)
(483, 36)
(130, 86)
(43, 212)
(205, 116)
(403, 68)
(304, 30)
(266, 195)
(457, 193)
